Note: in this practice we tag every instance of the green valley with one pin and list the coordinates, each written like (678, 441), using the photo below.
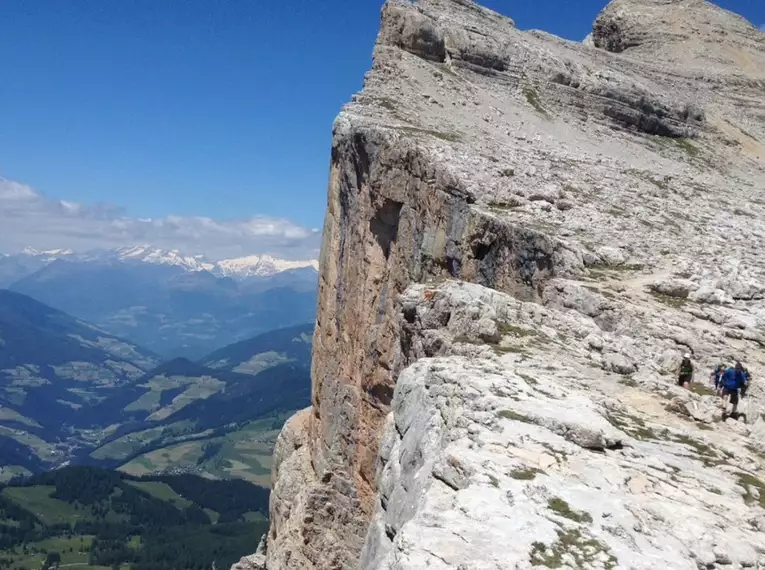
(95, 400)
(242, 453)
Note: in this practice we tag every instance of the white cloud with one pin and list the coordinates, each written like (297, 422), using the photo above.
(29, 218)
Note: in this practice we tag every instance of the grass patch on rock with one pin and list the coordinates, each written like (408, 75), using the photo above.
(632, 425)
(386, 103)
(682, 144)
(752, 449)
(562, 508)
(644, 434)
(698, 446)
(674, 302)
(448, 137)
(508, 349)
(628, 381)
(525, 474)
(605, 292)
(506, 329)
(530, 380)
(749, 482)
(514, 416)
(688, 147)
(708, 454)
(463, 339)
(504, 206)
(622, 267)
(533, 99)
(573, 543)
(702, 389)
(500, 349)
(661, 183)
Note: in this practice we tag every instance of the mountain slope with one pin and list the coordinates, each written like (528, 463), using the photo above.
(206, 398)
(69, 391)
(91, 289)
(217, 417)
(52, 364)
(15, 267)
(292, 344)
(278, 388)
(27, 326)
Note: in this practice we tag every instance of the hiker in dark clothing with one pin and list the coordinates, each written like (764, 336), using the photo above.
(717, 378)
(685, 374)
(735, 383)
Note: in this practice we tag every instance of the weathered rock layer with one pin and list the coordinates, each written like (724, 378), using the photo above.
(605, 202)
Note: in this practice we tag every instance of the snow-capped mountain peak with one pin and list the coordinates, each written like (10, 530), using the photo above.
(237, 268)
(158, 256)
(260, 266)
(47, 253)
(131, 251)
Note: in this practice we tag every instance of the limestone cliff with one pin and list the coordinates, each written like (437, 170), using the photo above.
(523, 234)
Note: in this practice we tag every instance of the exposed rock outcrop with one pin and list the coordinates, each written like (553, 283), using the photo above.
(603, 204)
(518, 451)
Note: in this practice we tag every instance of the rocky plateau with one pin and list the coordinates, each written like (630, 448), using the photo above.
(523, 236)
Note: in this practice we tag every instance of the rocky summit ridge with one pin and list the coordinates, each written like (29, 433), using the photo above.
(523, 236)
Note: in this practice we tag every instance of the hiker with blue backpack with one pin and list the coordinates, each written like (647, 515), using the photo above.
(735, 381)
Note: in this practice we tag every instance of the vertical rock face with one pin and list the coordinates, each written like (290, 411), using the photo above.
(605, 202)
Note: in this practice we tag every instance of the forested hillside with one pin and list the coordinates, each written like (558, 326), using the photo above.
(89, 517)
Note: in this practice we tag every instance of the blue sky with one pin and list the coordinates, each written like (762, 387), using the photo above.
(215, 108)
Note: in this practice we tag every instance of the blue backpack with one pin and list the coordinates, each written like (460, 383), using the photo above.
(732, 379)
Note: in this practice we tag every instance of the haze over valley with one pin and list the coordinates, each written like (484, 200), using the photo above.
(163, 300)
(151, 372)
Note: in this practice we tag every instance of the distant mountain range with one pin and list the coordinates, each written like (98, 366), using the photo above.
(14, 267)
(72, 392)
(170, 303)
